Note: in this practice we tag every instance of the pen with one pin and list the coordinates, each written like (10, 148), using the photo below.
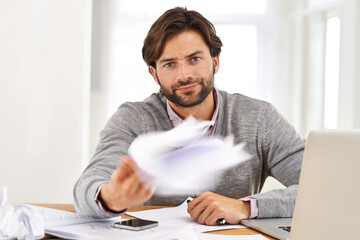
(220, 221)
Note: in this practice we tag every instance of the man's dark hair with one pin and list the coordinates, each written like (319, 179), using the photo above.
(174, 22)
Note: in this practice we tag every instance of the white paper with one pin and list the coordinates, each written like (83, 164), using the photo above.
(165, 142)
(25, 221)
(183, 233)
(173, 221)
(178, 216)
(205, 236)
(106, 230)
(30, 222)
(184, 159)
(17, 221)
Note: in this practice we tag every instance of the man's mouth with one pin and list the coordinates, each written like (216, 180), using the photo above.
(188, 87)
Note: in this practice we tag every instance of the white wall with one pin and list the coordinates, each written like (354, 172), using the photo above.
(44, 97)
(103, 12)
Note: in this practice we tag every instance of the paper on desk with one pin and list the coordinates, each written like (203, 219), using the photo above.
(25, 221)
(30, 222)
(188, 233)
(174, 223)
(106, 230)
(178, 216)
(182, 233)
(206, 236)
(184, 159)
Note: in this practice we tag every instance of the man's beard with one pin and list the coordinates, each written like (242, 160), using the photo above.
(207, 86)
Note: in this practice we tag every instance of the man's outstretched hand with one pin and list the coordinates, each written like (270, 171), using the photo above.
(126, 187)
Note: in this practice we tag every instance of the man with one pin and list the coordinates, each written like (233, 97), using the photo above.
(182, 52)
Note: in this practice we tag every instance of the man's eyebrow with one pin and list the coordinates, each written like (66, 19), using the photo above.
(194, 53)
(167, 60)
(188, 56)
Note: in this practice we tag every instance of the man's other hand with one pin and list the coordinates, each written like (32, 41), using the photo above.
(209, 207)
(127, 187)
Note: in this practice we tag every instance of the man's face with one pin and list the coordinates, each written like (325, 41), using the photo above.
(185, 70)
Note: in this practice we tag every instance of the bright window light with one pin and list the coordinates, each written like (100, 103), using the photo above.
(332, 73)
(315, 83)
(209, 6)
(238, 59)
(316, 3)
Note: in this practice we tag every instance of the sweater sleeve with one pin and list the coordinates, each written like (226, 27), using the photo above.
(282, 148)
(119, 132)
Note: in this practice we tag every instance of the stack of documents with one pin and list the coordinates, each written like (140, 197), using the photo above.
(185, 158)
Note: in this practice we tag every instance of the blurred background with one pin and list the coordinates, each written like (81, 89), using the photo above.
(66, 66)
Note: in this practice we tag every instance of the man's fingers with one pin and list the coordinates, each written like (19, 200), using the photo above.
(130, 163)
(196, 212)
(126, 168)
(204, 215)
(130, 184)
(134, 184)
(197, 208)
(217, 213)
(211, 212)
(196, 201)
(127, 186)
(144, 192)
(134, 191)
(209, 207)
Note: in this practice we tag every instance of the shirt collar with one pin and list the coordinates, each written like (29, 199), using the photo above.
(176, 120)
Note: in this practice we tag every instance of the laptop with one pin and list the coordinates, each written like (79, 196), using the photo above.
(328, 199)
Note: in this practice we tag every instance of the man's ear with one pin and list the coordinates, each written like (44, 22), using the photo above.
(216, 62)
(153, 73)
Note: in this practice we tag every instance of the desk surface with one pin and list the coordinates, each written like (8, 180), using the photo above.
(239, 231)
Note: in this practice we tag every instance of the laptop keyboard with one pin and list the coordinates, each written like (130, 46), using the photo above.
(286, 228)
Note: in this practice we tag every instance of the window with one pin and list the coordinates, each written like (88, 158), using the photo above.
(238, 59)
(317, 23)
(331, 87)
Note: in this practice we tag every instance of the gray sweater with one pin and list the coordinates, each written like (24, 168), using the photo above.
(276, 150)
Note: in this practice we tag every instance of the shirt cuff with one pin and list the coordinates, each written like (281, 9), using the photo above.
(102, 208)
(254, 209)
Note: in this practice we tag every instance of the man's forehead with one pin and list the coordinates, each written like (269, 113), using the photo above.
(184, 44)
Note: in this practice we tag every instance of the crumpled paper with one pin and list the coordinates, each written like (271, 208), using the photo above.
(19, 220)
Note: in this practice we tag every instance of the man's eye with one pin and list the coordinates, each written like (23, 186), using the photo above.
(170, 64)
(195, 59)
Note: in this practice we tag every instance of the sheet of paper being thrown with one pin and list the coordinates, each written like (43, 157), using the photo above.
(178, 216)
(184, 158)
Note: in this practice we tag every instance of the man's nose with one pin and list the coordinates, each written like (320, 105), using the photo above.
(184, 72)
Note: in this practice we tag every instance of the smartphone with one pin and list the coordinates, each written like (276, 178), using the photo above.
(136, 224)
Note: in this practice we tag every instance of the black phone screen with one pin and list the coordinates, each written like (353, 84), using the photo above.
(136, 224)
